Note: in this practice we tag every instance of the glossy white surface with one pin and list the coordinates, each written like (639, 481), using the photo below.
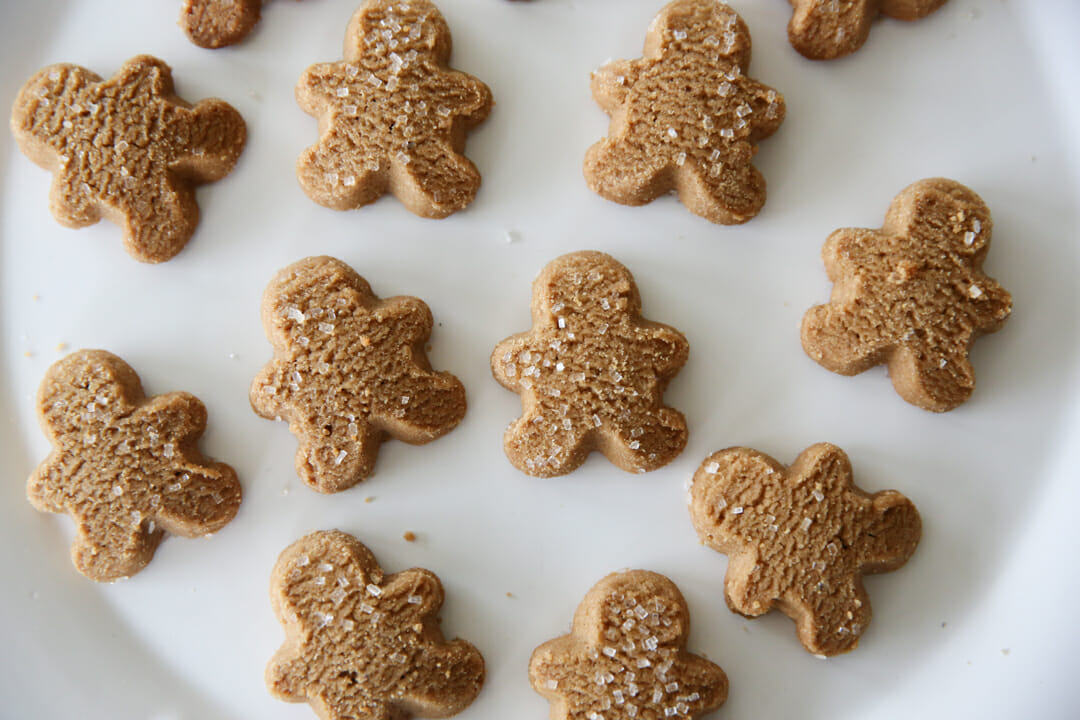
(979, 624)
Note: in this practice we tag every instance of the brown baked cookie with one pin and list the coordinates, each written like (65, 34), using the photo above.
(801, 538)
(363, 645)
(911, 295)
(217, 23)
(349, 369)
(626, 657)
(392, 116)
(828, 29)
(127, 149)
(591, 373)
(685, 117)
(124, 466)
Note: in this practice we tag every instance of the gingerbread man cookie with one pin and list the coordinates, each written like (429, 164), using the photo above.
(828, 29)
(801, 538)
(626, 656)
(911, 295)
(361, 644)
(591, 373)
(349, 369)
(392, 116)
(127, 149)
(124, 466)
(685, 117)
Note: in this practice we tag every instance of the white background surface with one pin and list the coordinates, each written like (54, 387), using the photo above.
(979, 624)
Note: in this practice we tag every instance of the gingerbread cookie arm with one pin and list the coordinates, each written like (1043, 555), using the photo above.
(216, 23)
(464, 98)
(45, 487)
(829, 29)
(610, 84)
(546, 449)
(891, 538)
(213, 134)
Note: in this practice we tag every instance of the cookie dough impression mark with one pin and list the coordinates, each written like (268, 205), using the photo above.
(360, 643)
(392, 116)
(686, 117)
(349, 369)
(591, 373)
(801, 538)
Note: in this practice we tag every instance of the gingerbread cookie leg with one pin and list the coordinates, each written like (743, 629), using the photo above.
(113, 552)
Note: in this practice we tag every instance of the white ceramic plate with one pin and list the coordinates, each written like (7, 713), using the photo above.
(978, 624)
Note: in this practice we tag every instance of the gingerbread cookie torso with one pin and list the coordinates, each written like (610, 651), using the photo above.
(828, 29)
(626, 656)
(125, 466)
(591, 373)
(801, 538)
(911, 295)
(127, 149)
(349, 369)
(363, 644)
(686, 117)
(392, 116)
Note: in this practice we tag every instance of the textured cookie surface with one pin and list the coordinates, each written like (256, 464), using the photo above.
(828, 29)
(124, 466)
(911, 295)
(626, 657)
(217, 23)
(685, 117)
(127, 149)
(361, 644)
(348, 370)
(591, 373)
(801, 538)
(392, 115)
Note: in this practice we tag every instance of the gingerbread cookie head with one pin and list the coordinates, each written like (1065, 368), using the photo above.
(828, 29)
(686, 117)
(217, 23)
(911, 295)
(363, 644)
(349, 369)
(392, 115)
(801, 538)
(591, 373)
(124, 466)
(626, 656)
(127, 149)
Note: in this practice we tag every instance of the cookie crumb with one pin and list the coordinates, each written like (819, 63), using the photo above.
(1005, 651)
(61, 346)
(409, 536)
(509, 594)
(369, 498)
